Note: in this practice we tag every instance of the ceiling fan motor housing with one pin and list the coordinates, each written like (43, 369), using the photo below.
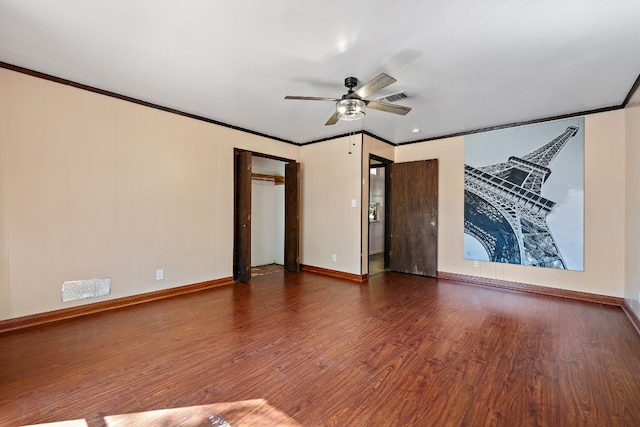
(351, 82)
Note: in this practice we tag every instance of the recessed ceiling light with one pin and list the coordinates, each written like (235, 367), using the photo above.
(415, 130)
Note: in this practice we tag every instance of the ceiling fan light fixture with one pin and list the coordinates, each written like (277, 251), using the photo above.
(350, 109)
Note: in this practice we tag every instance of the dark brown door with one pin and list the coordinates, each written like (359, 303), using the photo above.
(292, 217)
(242, 218)
(414, 217)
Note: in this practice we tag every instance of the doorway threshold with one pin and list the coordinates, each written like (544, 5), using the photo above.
(261, 270)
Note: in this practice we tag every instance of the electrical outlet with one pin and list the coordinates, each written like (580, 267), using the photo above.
(160, 274)
(333, 258)
(476, 263)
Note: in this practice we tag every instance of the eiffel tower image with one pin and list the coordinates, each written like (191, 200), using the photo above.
(505, 211)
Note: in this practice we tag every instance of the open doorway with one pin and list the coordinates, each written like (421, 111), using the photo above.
(266, 215)
(378, 215)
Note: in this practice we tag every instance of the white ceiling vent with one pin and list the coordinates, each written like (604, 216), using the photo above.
(88, 288)
(393, 97)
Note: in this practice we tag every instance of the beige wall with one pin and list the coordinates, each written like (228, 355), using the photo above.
(632, 248)
(604, 212)
(92, 186)
(330, 181)
(4, 258)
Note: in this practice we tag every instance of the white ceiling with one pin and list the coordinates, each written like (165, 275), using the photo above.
(465, 64)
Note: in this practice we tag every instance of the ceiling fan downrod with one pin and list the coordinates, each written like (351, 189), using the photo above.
(350, 83)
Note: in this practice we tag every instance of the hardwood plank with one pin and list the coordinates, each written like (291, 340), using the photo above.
(236, 413)
(316, 350)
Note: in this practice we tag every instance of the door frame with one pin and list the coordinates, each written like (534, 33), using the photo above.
(242, 215)
(292, 209)
(241, 192)
(384, 164)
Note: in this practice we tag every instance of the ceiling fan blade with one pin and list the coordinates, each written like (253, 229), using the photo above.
(311, 98)
(374, 85)
(388, 107)
(332, 120)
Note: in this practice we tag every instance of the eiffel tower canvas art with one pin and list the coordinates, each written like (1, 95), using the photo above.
(524, 195)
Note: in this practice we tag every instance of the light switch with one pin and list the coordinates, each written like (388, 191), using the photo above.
(353, 203)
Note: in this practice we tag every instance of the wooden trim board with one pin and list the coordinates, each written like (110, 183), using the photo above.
(633, 317)
(97, 307)
(334, 273)
(536, 289)
(82, 310)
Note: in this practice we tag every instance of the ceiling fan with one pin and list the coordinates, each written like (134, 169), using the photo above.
(352, 104)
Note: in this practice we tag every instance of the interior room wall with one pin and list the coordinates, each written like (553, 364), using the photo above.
(632, 208)
(4, 258)
(93, 186)
(267, 214)
(330, 184)
(604, 245)
(375, 146)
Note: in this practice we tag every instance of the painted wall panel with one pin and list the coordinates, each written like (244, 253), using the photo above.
(632, 209)
(166, 206)
(330, 181)
(60, 153)
(5, 88)
(92, 186)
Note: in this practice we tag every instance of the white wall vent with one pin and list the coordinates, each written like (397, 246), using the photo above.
(393, 97)
(88, 288)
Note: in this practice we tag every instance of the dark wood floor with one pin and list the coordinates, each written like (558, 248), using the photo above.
(398, 351)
